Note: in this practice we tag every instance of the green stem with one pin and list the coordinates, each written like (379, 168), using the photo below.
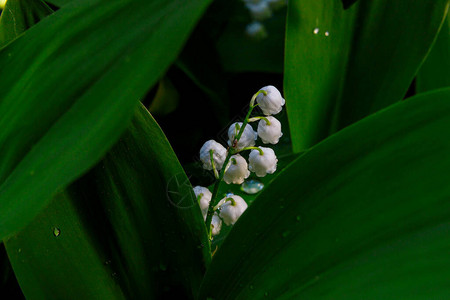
(259, 118)
(211, 156)
(261, 152)
(231, 150)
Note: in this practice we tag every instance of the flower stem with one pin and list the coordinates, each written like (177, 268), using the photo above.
(259, 118)
(261, 152)
(211, 156)
(231, 150)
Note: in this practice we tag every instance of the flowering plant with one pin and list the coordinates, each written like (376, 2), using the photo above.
(334, 185)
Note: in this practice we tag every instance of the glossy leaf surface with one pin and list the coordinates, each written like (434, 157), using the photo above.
(341, 65)
(18, 16)
(135, 220)
(65, 99)
(364, 214)
(434, 73)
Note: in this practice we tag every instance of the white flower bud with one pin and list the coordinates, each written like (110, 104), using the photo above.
(216, 224)
(263, 164)
(269, 133)
(256, 30)
(259, 11)
(219, 154)
(237, 170)
(272, 103)
(204, 198)
(232, 210)
(247, 139)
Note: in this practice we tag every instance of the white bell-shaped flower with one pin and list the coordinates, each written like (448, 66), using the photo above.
(237, 170)
(272, 103)
(204, 198)
(256, 30)
(247, 139)
(263, 164)
(216, 224)
(232, 209)
(219, 155)
(260, 10)
(269, 133)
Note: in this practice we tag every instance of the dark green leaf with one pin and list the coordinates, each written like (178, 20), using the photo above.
(342, 65)
(434, 73)
(347, 3)
(55, 257)
(362, 215)
(133, 218)
(65, 99)
(60, 3)
(18, 16)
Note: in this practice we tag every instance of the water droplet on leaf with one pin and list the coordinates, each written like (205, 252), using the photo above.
(252, 186)
(56, 231)
(316, 30)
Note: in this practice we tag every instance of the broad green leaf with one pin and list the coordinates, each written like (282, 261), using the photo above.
(342, 65)
(18, 16)
(65, 99)
(347, 3)
(434, 73)
(133, 218)
(362, 215)
(56, 257)
(60, 3)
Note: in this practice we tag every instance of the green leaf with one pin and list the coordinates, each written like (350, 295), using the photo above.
(135, 220)
(434, 72)
(55, 257)
(65, 99)
(347, 3)
(342, 65)
(362, 215)
(60, 3)
(18, 16)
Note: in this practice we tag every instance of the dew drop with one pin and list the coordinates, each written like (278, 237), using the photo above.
(327, 33)
(316, 30)
(56, 231)
(252, 186)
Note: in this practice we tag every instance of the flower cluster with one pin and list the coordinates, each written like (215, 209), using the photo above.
(261, 10)
(232, 166)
